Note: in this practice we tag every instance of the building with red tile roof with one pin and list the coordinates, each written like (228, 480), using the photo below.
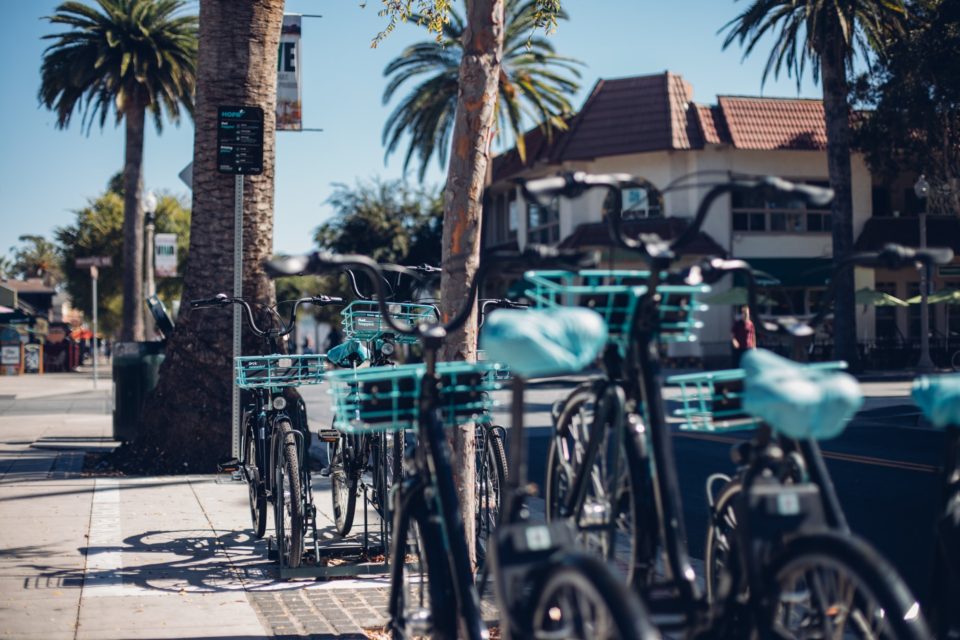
(651, 126)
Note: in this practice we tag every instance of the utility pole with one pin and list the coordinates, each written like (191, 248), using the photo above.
(94, 276)
(925, 365)
(149, 285)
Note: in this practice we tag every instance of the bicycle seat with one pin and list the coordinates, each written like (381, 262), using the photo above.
(797, 401)
(939, 399)
(348, 353)
(542, 342)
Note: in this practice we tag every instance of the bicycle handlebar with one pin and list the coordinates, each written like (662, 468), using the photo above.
(322, 261)
(891, 256)
(573, 184)
(222, 300)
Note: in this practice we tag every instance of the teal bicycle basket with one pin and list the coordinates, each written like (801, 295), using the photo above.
(713, 400)
(361, 319)
(279, 370)
(386, 398)
(614, 294)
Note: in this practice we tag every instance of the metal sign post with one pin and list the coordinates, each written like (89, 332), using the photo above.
(94, 276)
(237, 292)
(239, 152)
(94, 263)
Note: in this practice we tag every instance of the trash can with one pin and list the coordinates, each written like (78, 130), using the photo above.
(136, 366)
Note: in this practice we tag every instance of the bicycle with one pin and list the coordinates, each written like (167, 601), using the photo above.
(939, 399)
(274, 437)
(491, 457)
(771, 545)
(428, 529)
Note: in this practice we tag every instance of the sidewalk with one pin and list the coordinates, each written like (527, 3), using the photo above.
(146, 557)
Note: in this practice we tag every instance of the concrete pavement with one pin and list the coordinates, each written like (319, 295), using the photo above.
(162, 557)
(147, 557)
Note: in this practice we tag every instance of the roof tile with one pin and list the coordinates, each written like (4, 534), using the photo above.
(774, 123)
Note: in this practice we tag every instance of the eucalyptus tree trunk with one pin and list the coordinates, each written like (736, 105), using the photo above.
(473, 127)
(132, 328)
(833, 71)
(187, 420)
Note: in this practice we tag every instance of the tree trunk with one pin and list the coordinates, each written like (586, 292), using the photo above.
(132, 328)
(837, 115)
(476, 103)
(187, 419)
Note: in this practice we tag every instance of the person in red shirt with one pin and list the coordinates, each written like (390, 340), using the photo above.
(743, 335)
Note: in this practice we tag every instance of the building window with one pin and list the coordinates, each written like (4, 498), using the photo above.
(543, 223)
(881, 202)
(778, 213)
(913, 312)
(886, 317)
(640, 203)
(505, 218)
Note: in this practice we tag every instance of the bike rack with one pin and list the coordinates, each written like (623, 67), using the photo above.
(318, 553)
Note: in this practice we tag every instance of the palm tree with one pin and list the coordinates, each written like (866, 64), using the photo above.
(187, 417)
(37, 258)
(826, 34)
(535, 85)
(129, 56)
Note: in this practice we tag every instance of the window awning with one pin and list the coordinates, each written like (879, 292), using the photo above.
(796, 272)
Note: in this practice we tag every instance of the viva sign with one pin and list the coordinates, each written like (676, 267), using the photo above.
(289, 113)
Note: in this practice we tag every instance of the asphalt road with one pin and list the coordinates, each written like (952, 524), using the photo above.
(884, 467)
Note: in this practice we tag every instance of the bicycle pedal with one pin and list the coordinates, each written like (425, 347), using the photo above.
(228, 465)
(420, 624)
(328, 435)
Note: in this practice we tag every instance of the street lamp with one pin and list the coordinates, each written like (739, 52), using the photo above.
(922, 189)
(149, 286)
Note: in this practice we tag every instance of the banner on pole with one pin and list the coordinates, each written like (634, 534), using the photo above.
(165, 255)
(289, 115)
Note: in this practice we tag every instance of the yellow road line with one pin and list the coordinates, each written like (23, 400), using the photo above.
(833, 455)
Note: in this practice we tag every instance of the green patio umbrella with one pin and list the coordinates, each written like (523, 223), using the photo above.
(867, 296)
(737, 296)
(944, 296)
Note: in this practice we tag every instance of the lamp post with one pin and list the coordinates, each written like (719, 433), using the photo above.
(149, 286)
(925, 365)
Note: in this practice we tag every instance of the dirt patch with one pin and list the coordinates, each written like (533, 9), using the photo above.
(97, 464)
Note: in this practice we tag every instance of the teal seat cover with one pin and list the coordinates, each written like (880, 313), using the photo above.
(939, 399)
(544, 342)
(347, 353)
(797, 401)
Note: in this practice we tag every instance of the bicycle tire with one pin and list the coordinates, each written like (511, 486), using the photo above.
(256, 493)
(418, 609)
(955, 361)
(344, 482)
(884, 600)
(491, 478)
(578, 579)
(719, 545)
(630, 504)
(288, 506)
(944, 613)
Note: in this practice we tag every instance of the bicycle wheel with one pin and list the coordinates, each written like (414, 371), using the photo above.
(832, 585)
(386, 449)
(288, 505)
(719, 552)
(422, 596)
(344, 481)
(257, 495)
(610, 523)
(491, 477)
(955, 361)
(581, 598)
(944, 613)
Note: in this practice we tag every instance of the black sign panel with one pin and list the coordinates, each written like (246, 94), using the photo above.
(240, 140)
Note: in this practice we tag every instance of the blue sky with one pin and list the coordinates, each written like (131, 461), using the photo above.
(46, 173)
